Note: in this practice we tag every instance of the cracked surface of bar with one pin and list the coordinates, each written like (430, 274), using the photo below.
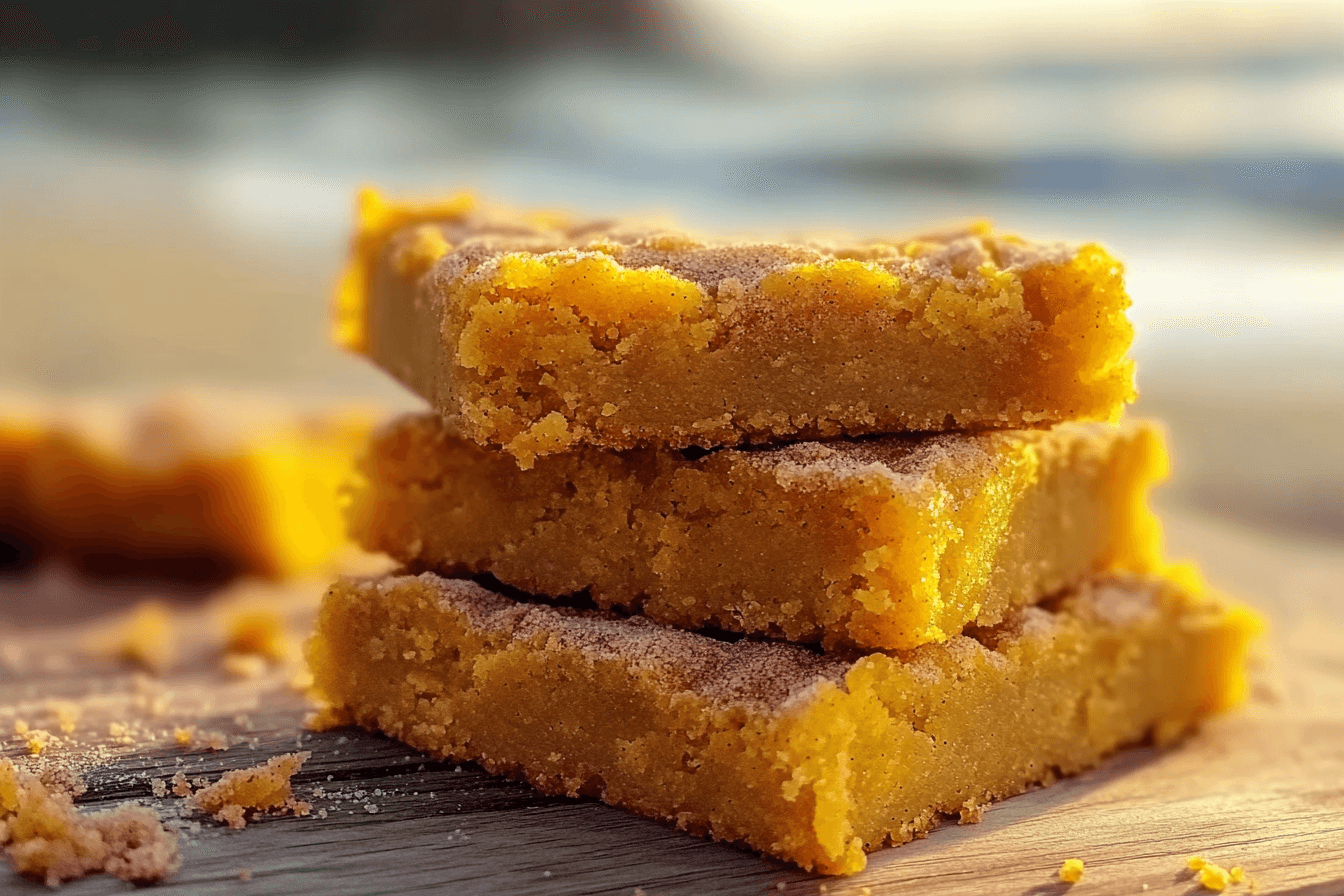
(539, 332)
(812, 759)
(882, 543)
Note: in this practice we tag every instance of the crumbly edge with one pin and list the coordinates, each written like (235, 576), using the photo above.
(760, 675)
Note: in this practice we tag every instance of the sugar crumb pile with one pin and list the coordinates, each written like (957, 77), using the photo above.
(48, 841)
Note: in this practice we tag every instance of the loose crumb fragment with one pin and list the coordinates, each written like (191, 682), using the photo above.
(158, 788)
(148, 638)
(258, 631)
(1071, 871)
(301, 681)
(260, 789)
(1212, 876)
(181, 786)
(38, 741)
(190, 738)
(244, 665)
(67, 714)
(47, 840)
(245, 874)
(972, 812)
(61, 778)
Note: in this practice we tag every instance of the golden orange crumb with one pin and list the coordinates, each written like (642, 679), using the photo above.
(47, 840)
(327, 717)
(184, 737)
(1071, 871)
(260, 789)
(67, 714)
(1237, 874)
(39, 741)
(259, 631)
(20, 727)
(147, 638)
(1214, 877)
(181, 786)
(243, 665)
(1194, 863)
(301, 681)
(245, 874)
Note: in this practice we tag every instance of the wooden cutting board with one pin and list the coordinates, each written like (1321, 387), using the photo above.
(1262, 788)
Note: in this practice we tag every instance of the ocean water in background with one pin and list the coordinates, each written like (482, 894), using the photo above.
(187, 227)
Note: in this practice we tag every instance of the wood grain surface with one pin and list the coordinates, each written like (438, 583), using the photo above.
(1262, 788)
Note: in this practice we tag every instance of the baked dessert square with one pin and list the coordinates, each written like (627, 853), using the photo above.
(813, 759)
(881, 543)
(186, 483)
(540, 333)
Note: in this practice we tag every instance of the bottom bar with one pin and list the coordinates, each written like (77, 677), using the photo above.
(813, 759)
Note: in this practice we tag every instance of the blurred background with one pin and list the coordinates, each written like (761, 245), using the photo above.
(176, 179)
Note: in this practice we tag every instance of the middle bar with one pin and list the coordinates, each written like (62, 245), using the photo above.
(885, 543)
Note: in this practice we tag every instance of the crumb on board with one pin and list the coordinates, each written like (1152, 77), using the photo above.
(244, 665)
(181, 786)
(1071, 871)
(67, 714)
(327, 718)
(189, 737)
(258, 631)
(38, 740)
(260, 789)
(972, 812)
(146, 638)
(245, 874)
(47, 840)
(1212, 876)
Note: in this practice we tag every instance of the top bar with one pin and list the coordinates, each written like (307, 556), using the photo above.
(540, 333)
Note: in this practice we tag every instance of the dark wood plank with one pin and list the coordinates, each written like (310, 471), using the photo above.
(1260, 788)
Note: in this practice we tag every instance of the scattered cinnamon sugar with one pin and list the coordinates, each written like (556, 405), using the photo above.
(47, 840)
(260, 789)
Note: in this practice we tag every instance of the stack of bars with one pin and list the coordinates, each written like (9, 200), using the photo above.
(802, 545)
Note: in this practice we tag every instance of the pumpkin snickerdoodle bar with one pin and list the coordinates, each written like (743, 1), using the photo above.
(540, 333)
(813, 759)
(879, 543)
(188, 482)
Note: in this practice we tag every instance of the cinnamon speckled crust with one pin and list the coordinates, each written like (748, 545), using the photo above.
(812, 759)
(542, 333)
(888, 542)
